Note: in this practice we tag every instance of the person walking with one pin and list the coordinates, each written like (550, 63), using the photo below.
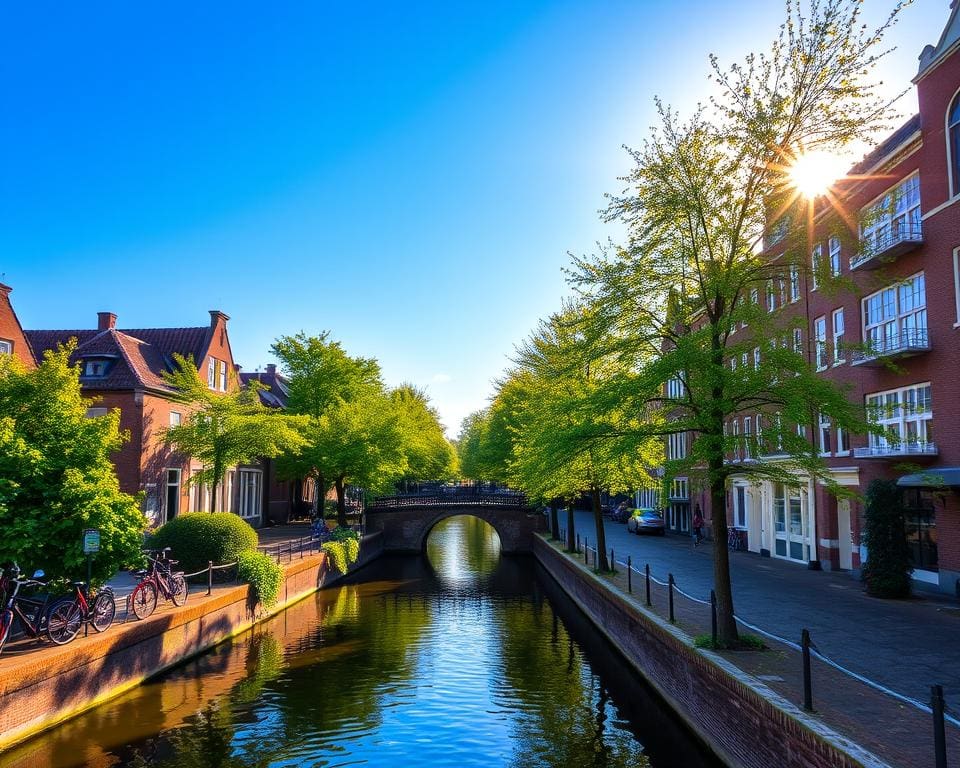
(697, 526)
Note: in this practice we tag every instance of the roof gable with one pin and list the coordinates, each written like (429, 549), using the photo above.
(932, 54)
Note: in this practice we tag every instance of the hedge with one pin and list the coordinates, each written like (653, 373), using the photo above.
(199, 537)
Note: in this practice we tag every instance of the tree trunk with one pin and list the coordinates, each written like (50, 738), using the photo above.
(341, 503)
(726, 624)
(554, 521)
(601, 561)
(571, 536)
(213, 495)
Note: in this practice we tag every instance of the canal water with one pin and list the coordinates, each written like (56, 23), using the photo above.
(459, 658)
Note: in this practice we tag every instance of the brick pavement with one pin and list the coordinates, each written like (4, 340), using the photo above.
(905, 645)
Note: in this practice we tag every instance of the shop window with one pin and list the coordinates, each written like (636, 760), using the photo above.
(921, 526)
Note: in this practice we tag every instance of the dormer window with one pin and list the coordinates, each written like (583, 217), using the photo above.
(95, 367)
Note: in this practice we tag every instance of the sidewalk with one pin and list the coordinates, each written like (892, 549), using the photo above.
(905, 645)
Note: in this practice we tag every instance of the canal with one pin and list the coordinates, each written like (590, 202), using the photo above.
(460, 658)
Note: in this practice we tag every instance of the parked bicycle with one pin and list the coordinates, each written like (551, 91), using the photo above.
(155, 581)
(735, 540)
(38, 617)
(98, 610)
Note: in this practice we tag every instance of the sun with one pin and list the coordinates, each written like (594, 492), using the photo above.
(813, 173)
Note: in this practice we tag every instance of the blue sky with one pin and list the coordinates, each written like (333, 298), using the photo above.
(408, 176)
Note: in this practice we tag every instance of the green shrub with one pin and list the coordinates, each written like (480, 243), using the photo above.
(262, 573)
(745, 643)
(353, 549)
(887, 570)
(344, 534)
(337, 554)
(199, 537)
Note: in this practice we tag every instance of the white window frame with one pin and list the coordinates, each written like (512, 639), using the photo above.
(250, 493)
(680, 488)
(223, 375)
(952, 131)
(838, 330)
(747, 437)
(95, 369)
(901, 412)
(212, 373)
(736, 439)
(756, 358)
(816, 255)
(889, 330)
(167, 485)
(820, 345)
(956, 284)
(891, 211)
(843, 441)
(96, 412)
(675, 388)
(677, 446)
(771, 297)
(834, 247)
(176, 418)
(6, 347)
(823, 433)
(794, 283)
(798, 340)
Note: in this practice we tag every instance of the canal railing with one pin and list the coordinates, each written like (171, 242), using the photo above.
(937, 709)
(456, 499)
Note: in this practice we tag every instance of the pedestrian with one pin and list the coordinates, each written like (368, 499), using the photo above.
(697, 526)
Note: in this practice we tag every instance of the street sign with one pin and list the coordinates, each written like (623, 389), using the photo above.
(91, 541)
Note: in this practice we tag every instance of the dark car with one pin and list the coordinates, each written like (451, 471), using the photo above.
(646, 520)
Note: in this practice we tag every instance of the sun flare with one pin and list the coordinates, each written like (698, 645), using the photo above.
(814, 173)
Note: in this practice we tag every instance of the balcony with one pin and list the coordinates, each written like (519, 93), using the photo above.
(896, 241)
(896, 450)
(904, 344)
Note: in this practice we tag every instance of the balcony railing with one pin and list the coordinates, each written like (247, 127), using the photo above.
(899, 239)
(903, 344)
(896, 450)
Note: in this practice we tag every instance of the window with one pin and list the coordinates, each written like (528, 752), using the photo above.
(676, 446)
(896, 316)
(838, 336)
(820, 334)
(771, 297)
(736, 439)
(843, 442)
(778, 231)
(744, 359)
(894, 216)
(249, 493)
(212, 373)
(834, 246)
(175, 419)
(228, 486)
(6, 347)
(794, 283)
(756, 358)
(747, 437)
(824, 430)
(782, 291)
(172, 495)
(956, 281)
(675, 387)
(754, 296)
(223, 376)
(953, 121)
(778, 430)
(907, 416)
(679, 489)
(761, 449)
(95, 368)
(93, 413)
(733, 363)
(201, 494)
(815, 259)
(798, 340)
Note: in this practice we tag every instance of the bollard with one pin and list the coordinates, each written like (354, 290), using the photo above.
(586, 551)
(209, 576)
(646, 570)
(301, 547)
(578, 542)
(613, 561)
(670, 591)
(807, 688)
(629, 584)
(713, 617)
(939, 737)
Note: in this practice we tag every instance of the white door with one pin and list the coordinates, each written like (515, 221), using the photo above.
(844, 534)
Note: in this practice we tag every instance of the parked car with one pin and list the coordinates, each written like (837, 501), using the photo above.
(646, 520)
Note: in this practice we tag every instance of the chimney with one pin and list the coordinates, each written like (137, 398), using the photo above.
(5, 290)
(106, 321)
(215, 315)
(272, 369)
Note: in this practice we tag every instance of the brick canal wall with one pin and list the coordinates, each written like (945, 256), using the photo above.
(48, 685)
(744, 722)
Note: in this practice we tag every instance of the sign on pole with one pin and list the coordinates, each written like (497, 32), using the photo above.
(91, 541)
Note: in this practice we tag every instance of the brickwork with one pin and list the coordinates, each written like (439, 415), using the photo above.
(10, 329)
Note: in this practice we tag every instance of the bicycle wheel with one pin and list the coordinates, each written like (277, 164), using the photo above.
(178, 589)
(6, 621)
(104, 609)
(143, 601)
(64, 620)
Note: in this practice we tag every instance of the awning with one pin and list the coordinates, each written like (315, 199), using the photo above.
(933, 478)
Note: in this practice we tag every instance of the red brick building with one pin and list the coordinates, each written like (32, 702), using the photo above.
(12, 340)
(900, 252)
(123, 369)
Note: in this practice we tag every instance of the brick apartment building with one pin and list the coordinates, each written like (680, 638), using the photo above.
(12, 339)
(123, 369)
(904, 308)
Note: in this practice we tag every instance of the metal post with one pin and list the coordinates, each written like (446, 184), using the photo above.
(670, 591)
(613, 560)
(629, 584)
(646, 570)
(939, 737)
(301, 547)
(578, 542)
(86, 625)
(586, 551)
(713, 617)
(807, 689)
(209, 576)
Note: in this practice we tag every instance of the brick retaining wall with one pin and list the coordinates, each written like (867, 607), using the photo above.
(43, 688)
(744, 722)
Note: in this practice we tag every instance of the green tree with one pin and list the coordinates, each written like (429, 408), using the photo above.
(469, 444)
(887, 570)
(428, 453)
(227, 428)
(56, 476)
(696, 207)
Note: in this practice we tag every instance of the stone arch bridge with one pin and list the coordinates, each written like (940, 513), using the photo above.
(406, 521)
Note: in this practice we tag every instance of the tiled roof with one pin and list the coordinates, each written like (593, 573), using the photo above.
(275, 396)
(888, 145)
(138, 357)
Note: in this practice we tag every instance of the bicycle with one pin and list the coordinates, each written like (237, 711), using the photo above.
(156, 580)
(734, 540)
(80, 610)
(34, 613)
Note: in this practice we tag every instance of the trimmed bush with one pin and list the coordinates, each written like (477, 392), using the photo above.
(262, 573)
(353, 549)
(199, 537)
(344, 534)
(887, 570)
(337, 555)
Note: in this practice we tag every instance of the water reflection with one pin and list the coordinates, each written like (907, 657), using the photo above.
(461, 658)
